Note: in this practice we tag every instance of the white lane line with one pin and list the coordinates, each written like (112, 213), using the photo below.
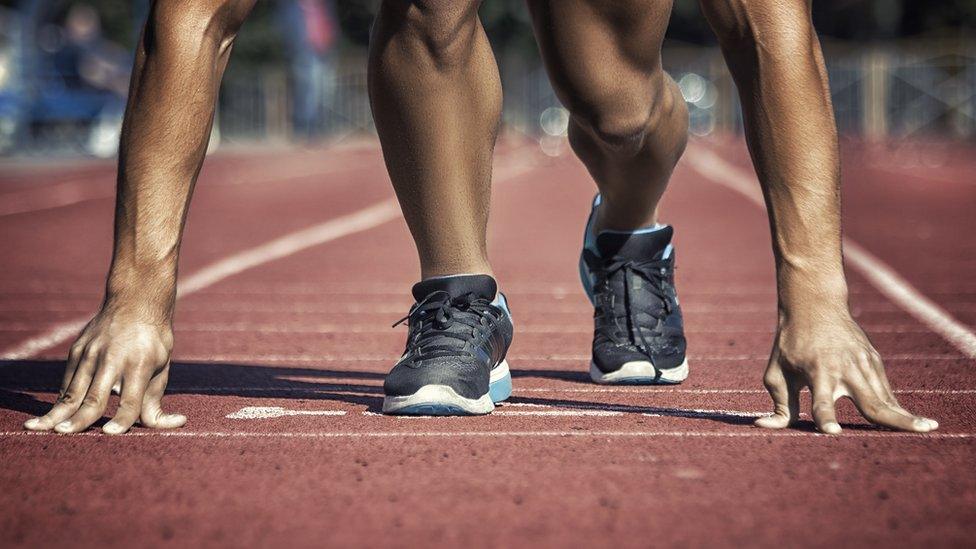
(329, 386)
(387, 308)
(698, 413)
(394, 290)
(98, 186)
(879, 274)
(69, 192)
(752, 433)
(517, 413)
(651, 411)
(371, 329)
(367, 218)
(657, 390)
(603, 410)
(269, 412)
(312, 358)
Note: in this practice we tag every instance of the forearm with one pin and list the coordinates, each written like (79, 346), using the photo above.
(164, 139)
(793, 141)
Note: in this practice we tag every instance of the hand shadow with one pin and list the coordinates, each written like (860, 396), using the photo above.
(20, 378)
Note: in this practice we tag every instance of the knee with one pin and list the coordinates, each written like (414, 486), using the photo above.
(623, 125)
(444, 30)
(775, 31)
(195, 26)
(623, 133)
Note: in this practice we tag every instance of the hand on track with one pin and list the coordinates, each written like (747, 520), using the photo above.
(832, 357)
(114, 352)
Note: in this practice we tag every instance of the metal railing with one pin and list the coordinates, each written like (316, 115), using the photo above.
(877, 93)
(880, 93)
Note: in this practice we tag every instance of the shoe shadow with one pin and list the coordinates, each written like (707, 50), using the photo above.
(22, 380)
(652, 411)
(562, 375)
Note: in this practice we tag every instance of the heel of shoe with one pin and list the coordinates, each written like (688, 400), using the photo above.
(500, 385)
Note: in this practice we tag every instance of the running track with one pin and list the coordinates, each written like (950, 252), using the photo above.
(296, 263)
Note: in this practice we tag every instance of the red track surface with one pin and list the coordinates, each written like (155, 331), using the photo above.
(619, 466)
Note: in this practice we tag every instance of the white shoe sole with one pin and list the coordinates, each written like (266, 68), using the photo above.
(441, 400)
(640, 372)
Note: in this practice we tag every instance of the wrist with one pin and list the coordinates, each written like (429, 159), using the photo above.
(811, 292)
(145, 293)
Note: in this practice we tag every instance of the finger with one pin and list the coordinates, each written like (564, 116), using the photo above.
(95, 401)
(786, 398)
(872, 407)
(872, 371)
(130, 406)
(70, 399)
(152, 409)
(888, 394)
(824, 398)
(871, 366)
(74, 358)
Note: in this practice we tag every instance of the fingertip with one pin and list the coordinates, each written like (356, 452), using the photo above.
(923, 425)
(64, 427)
(172, 421)
(33, 424)
(830, 428)
(113, 428)
(775, 421)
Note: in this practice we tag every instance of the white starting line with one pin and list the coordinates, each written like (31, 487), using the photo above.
(751, 433)
(268, 412)
(534, 410)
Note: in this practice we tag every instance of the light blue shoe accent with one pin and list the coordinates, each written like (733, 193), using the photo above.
(500, 382)
(589, 243)
(500, 390)
(502, 303)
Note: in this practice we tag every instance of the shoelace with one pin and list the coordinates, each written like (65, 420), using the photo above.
(655, 272)
(433, 318)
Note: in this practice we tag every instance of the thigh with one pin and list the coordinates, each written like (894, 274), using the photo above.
(599, 50)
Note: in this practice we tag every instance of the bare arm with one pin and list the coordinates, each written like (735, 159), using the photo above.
(178, 66)
(775, 58)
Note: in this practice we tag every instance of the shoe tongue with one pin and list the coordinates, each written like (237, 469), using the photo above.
(479, 285)
(637, 245)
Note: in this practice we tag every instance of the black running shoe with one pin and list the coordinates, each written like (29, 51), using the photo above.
(639, 334)
(454, 364)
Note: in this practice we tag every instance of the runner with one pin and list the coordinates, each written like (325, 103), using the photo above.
(436, 99)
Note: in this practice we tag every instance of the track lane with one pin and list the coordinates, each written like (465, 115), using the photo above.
(399, 482)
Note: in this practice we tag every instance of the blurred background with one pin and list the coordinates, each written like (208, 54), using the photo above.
(900, 70)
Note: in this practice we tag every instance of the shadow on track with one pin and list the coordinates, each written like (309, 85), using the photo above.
(20, 378)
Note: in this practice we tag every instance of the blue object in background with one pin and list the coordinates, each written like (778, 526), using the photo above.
(310, 32)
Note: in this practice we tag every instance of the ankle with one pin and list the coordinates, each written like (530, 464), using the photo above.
(438, 271)
(629, 218)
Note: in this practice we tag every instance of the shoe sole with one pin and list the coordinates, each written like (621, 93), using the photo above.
(442, 400)
(640, 373)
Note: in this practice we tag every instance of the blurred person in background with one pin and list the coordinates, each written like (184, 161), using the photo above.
(310, 32)
(436, 97)
(73, 77)
(84, 59)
